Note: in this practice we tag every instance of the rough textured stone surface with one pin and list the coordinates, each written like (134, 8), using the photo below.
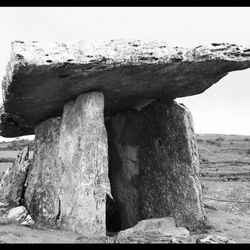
(12, 184)
(44, 178)
(154, 165)
(41, 77)
(28, 221)
(215, 239)
(158, 230)
(17, 213)
(83, 153)
(68, 182)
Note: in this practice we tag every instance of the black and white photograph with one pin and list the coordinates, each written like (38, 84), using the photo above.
(124, 125)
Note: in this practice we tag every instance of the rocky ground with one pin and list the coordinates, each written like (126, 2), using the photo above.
(225, 174)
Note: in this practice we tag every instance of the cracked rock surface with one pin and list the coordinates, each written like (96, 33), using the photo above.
(44, 178)
(154, 165)
(68, 182)
(42, 77)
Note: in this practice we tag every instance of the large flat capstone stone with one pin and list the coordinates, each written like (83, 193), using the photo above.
(42, 77)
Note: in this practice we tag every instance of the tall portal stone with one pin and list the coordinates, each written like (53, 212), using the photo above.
(154, 165)
(68, 182)
(44, 179)
(83, 154)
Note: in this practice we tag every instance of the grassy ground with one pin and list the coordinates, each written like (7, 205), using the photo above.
(225, 175)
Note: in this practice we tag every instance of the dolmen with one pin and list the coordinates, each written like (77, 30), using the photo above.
(112, 146)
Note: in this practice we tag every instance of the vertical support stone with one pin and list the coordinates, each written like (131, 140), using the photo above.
(68, 182)
(44, 178)
(156, 147)
(83, 153)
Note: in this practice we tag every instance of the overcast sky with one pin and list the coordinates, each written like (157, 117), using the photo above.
(223, 108)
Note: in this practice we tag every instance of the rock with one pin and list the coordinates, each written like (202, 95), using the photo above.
(42, 77)
(154, 165)
(83, 154)
(44, 179)
(17, 213)
(158, 230)
(215, 239)
(3, 204)
(12, 184)
(3, 208)
(28, 221)
(68, 182)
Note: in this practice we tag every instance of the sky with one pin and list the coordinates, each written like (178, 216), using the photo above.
(223, 108)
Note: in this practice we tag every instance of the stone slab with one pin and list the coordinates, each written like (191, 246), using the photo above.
(42, 77)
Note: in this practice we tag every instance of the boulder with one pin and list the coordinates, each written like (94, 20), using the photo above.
(83, 154)
(28, 221)
(157, 230)
(12, 184)
(17, 213)
(42, 77)
(44, 179)
(154, 165)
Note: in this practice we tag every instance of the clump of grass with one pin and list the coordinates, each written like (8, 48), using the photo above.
(200, 140)
(246, 139)
(248, 151)
(220, 139)
(211, 142)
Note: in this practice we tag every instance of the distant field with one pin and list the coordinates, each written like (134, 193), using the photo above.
(8, 154)
(4, 166)
(225, 171)
(13, 154)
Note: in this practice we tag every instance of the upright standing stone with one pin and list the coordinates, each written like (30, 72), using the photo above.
(83, 153)
(68, 182)
(44, 179)
(153, 152)
(12, 184)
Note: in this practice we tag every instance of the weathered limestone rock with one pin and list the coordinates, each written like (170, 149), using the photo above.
(158, 230)
(42, 77)
(44, 179)
(83, 154)
(28, 221)
(154, 165)
(215, 239)
(17, 213)
(12, 184)
(68, 182)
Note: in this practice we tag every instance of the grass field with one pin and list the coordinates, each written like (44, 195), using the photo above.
(225, 175)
